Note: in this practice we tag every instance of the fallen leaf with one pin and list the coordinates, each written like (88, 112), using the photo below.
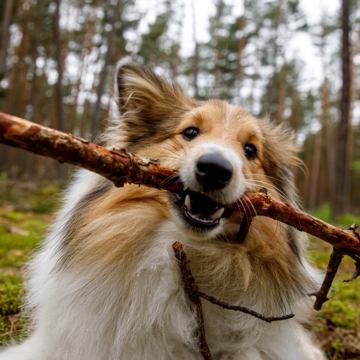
(17, 231)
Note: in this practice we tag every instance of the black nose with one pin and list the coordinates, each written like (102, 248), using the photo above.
(213, 172)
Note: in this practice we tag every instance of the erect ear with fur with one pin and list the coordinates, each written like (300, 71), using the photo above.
(280, 155)
(151, 107)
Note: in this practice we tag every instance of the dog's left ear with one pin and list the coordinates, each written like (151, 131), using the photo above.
(151, 107)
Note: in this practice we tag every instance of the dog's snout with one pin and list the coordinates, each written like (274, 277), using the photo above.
(213, 172)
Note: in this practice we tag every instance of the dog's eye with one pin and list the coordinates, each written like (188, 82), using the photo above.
(250, 151)
(190, 133)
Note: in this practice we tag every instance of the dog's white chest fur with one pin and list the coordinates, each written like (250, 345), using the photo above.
(140, 312)
(106, 285)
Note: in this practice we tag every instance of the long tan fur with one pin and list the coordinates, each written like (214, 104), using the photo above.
(106, 285)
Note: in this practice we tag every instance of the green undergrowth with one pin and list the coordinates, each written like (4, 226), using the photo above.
(26, 211)
(337, 325)
(324, 213)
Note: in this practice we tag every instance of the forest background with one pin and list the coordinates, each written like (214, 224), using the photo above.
(57, 62)
(296, 61)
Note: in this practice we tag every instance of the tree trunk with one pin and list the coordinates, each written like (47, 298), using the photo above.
(353, 94)
(254, 76)
(270, 94)
(98, 113)
(87, 45)
(330, 139)
(241, 47)
(316, 163)
(36, 90)
(58, 50)
(5, 34)
(196, 52)
(282, 94)
(176, 62)
(342, 175)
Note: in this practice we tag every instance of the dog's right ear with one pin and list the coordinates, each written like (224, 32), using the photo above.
(151, 107)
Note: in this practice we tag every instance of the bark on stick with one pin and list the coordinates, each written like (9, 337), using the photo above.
(121, 167)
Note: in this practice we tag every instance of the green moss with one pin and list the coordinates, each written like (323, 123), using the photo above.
(319, 259)
(347, 220)
(323, 212)
(337, 322)
(15, 248)
(14, 216)
(10, 301)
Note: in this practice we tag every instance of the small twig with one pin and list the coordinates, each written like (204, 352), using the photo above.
(192, 292)
(244, 309)
(194, 295)
(7, 333)
(334, 262)
(246, 222)
(117, 165)
(121, 167)
(244, 229)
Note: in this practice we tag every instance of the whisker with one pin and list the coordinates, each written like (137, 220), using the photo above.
(172, 146)
(162, 147)
(250, 204)
(180, 145)
(171, 177)
(170, 157)
(270, 177)
(242, 205)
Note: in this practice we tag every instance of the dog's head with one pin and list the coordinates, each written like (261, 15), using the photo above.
(220, 150)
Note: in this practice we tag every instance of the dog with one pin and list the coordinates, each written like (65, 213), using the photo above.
(106, 284)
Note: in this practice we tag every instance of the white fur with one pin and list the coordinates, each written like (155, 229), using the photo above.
(79, 319)
(231, 192)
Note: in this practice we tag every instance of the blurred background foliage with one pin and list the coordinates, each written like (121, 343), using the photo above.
(58, 58)
(57, 65)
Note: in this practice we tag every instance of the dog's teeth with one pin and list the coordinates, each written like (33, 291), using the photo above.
(217, 214)
(185, 188)
(188, 202)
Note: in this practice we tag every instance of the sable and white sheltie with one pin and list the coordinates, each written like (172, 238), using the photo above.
(106, 284)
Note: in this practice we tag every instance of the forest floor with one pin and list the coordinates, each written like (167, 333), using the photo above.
(27, 210)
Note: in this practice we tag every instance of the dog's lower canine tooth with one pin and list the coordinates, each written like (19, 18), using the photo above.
(188, 202)
(217, 214)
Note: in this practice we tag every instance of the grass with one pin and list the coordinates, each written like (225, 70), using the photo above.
(26, 211)
(337, 325)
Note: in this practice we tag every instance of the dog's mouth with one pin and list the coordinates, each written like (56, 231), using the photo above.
(198, 211)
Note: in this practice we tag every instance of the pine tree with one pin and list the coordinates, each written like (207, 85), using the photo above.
(340, 204)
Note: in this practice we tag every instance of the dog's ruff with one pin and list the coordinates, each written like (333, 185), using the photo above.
(106, 284)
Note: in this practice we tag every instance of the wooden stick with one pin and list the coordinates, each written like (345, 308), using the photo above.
(245, 310)
(121, 167)
(116, 165)
(244, 229)
(334, 263)
(264, 205)
(192, 292)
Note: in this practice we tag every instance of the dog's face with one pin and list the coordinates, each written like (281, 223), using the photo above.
(220, 150)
